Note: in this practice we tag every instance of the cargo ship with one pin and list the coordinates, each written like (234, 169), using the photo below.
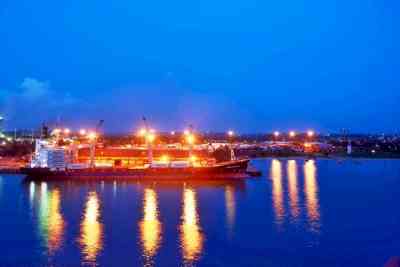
(87, 160)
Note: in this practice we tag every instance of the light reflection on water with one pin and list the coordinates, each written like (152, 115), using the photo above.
(51, 222)
(311, 192)
(150, 226)
(294, 197)
(293, 189)
(288, 187)
(191, 236)
(56, 222)
(277, 191)
(230, 205)
(91, 237)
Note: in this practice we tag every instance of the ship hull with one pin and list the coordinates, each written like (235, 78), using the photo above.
(228, 170)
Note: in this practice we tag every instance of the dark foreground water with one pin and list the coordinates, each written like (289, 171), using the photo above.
(300, 213)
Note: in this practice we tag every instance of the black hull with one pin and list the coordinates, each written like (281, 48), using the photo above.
(228, 170)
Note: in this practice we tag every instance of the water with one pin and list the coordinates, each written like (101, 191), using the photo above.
(300, 213)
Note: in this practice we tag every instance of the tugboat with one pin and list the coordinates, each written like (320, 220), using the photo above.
(52, 161)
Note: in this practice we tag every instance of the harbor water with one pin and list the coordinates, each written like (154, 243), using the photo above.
(299, 213)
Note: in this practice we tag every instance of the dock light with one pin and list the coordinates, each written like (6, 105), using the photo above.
(231, 133)
(82, 131)
(57, 131)
(307, 145)
(276, 133)
(142, 132)
(190, 139)
(164, 158)
(310, 133)
(150, 137)
(292, 133)
(91, 136)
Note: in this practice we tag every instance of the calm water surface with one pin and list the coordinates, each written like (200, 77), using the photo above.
(300, 213)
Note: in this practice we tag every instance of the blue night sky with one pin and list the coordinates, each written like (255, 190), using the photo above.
(249, 65)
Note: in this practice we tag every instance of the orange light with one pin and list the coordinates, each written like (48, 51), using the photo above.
(193, 158)
(276, 133)
(308, 145)
(142, 132)
(92, 136)
(190, 139)
(292, 133)
(150, 137)
(310, 133)
(56, 131)
(164, 158)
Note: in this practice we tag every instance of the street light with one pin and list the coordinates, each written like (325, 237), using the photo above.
(232, 152)
(67, 131)
(276, 133)
(292, 133)
(92, 136)
(310, 133)
(92, 139)
(142, 132)
(56, 131)
(82, 132)
(150, 137)
(190, 139)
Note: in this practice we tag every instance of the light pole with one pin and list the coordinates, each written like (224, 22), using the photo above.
(149, 137)
(276, 135)
(231, 135)
(190, 139)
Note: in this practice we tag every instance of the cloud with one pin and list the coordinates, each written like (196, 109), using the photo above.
(34, 89)
(38, 99)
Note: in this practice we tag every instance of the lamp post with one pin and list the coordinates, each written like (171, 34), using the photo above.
(276, 135)
(190, 139)
(231, 135)
(149, 136)
(149, 141)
